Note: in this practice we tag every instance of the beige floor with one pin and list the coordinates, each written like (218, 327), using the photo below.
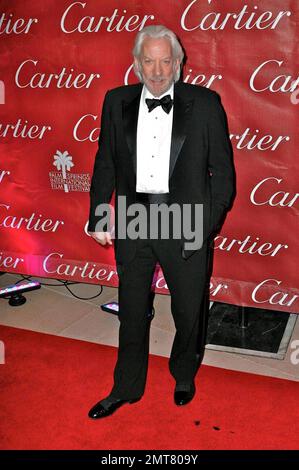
(53, 310)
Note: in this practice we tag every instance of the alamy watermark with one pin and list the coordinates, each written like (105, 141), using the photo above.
(295, 354)
(155, 221)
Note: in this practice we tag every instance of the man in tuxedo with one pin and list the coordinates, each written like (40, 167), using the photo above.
(162, 142)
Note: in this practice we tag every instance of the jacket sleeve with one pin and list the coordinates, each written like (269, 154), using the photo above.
(220, 163)
(103, 178)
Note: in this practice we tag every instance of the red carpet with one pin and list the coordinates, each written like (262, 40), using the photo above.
(48, 384)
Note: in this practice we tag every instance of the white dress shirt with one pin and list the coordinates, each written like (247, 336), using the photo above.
(153, 146)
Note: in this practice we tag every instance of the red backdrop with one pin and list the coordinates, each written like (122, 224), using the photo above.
(58, 58)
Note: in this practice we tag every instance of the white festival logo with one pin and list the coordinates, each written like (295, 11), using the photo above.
(64, 162)
(63, 179)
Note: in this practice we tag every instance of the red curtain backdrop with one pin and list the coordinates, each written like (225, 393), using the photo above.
(58, 58)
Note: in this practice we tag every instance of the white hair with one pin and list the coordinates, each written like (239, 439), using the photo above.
(158, 31)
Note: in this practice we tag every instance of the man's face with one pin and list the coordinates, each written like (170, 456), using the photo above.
(157, 65)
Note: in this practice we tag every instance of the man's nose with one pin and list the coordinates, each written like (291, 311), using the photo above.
(157, 69)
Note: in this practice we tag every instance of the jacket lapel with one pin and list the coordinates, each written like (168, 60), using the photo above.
(182, 111)
(130, 119)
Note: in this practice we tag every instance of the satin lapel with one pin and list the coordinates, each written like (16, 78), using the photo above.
(130, 119)
(182, 111)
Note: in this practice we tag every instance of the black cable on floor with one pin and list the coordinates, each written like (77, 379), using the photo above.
(62, 283)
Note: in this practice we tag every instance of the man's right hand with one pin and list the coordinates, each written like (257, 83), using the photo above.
(101, 237)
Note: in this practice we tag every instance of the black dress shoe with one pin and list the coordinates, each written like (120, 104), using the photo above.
(183, 394)
(102, 409)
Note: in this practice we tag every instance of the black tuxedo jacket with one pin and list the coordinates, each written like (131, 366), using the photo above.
(201, 169)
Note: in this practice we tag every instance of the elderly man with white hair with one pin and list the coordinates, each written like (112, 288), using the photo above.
(162, 143)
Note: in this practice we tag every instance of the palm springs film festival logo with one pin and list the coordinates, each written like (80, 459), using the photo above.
(65, 181)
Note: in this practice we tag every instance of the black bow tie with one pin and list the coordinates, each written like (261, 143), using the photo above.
(166, 102)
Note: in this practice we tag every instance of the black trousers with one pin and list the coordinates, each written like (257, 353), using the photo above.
(187, 284)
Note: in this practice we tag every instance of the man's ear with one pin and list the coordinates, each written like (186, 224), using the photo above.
(177, 65)
(136, 64)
